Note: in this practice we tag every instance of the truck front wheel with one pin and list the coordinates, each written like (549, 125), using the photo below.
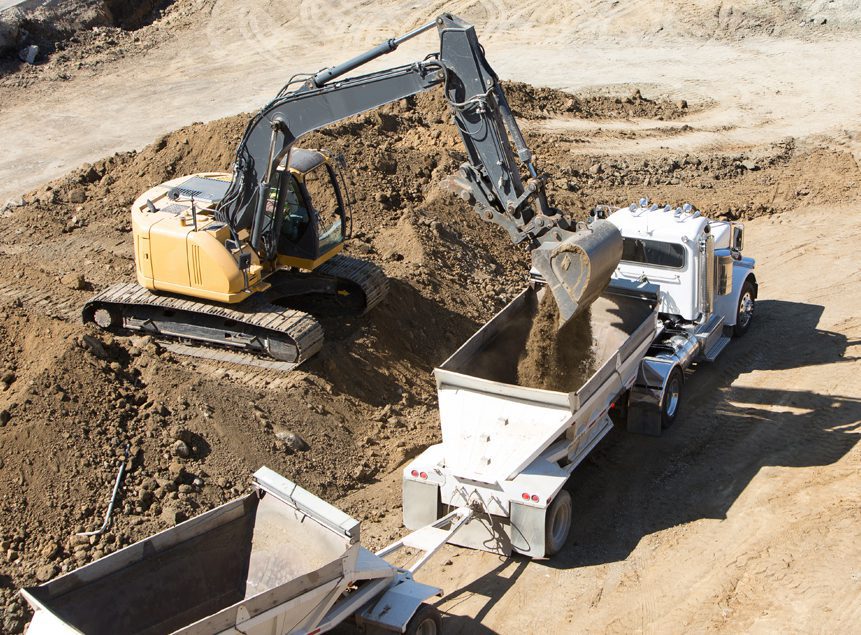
(426, 621)
(557, 523)
(672, 397)
(746, 305)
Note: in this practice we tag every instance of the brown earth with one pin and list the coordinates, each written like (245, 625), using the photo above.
(76, 398)
(744, 517)
(557, 358)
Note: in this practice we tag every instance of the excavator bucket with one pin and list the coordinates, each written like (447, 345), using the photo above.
(578, 268)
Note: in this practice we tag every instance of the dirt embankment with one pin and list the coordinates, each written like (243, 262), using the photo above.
(72, 399)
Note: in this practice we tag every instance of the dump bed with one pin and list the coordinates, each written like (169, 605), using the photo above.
(276, 546)
(492, 427)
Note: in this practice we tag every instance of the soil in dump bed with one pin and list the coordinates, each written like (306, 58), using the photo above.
(557, 359)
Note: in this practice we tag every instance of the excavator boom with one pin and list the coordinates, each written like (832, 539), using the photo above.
(499, 177)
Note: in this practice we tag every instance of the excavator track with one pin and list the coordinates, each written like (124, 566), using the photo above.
(342, 286)
(255, 326)
(362, 273)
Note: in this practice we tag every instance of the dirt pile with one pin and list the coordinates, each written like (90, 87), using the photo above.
(557, 358)
(46, 23)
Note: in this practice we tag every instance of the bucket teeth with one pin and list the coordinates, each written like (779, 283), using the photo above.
(578, 268)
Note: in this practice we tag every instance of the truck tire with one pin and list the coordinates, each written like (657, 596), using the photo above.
(426, 621)
(557, 523)
(672, 397)
(745, 308)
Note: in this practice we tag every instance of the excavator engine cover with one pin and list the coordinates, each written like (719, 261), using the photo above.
(578, 268)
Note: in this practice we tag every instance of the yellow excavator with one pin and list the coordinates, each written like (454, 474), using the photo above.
(242, 261)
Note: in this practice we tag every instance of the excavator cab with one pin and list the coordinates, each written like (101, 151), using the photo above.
(315, 220)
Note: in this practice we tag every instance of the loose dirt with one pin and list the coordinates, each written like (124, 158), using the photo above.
(762, 466)
(557, 358)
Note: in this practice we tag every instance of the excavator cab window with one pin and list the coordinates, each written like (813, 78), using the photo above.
(324, 196)
(297, 218)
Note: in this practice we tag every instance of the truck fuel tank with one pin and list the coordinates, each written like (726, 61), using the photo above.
(577, 265)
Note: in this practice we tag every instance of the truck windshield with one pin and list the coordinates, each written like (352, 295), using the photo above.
(653, 252)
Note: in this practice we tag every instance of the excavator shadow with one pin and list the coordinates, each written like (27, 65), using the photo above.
(632, 486)
(379, 356)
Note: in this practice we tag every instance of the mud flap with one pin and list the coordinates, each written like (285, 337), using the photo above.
(420, 503)
(578, 268)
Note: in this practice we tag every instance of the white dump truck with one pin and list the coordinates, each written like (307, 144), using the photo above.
(279, 560)
(680, 292)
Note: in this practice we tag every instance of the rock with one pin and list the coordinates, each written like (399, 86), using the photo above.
(292, 440)
(94, 346)
(596, 168)
(185, 489)
(4, 417)
(197, 482)
(180, 449)
(74, 281)
(50, 551)
(682, 104)
(749, 165)
(77, 195)
(46, 572)
(7, 378)
(181, 434)
(636, 95)
(176, 470)
(28, 54)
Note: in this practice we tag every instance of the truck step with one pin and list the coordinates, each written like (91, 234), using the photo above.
(717, 348)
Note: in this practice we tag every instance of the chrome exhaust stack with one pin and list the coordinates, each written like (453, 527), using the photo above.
(578, 268)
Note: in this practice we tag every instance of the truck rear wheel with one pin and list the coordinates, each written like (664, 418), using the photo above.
(557, 523)
(744, 311)
(672, 398)
(426, 621)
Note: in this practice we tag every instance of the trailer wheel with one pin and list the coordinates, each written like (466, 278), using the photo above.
(426, 621)
(744, 311)
(672, 398)
(557, 523)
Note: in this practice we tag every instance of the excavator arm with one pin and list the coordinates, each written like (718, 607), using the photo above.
(499, 177)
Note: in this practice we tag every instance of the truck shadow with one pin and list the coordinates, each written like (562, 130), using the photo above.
(632, 486)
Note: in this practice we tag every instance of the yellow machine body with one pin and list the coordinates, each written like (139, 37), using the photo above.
(182, 249)
(172, 256)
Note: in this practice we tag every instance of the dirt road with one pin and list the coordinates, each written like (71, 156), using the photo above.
(217, 59)
(744, 517)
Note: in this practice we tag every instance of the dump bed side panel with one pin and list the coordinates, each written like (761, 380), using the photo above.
(491, 426)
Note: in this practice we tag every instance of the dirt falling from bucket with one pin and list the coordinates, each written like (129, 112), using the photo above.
(560, 359)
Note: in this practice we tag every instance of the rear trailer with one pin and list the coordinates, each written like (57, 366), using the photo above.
(279, 560)
(507, 450)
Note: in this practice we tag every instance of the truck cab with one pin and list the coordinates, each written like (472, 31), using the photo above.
(696, 263)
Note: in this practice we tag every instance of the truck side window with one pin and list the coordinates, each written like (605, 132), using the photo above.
(653, 252)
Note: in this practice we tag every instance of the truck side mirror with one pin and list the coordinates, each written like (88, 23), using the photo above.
(737, 242)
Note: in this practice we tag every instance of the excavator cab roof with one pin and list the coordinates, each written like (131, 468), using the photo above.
(303, 161)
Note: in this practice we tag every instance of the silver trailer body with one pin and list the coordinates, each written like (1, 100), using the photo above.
(508, 449)
(279, 560)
